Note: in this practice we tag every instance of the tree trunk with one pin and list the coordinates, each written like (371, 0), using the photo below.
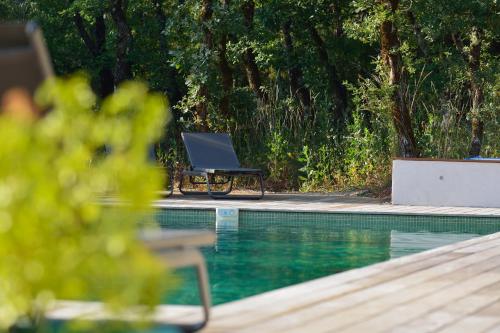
(207, 43)
(338, 27)
(417, 30)
(173, 90)
(389, 42)
(251, 68)
(476, 92)
(106, 77)
(225, 71)
(294, 71)
(123, 67)
(337, 89)
(96, 45)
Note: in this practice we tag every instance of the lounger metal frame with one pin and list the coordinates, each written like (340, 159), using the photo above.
(210, 175)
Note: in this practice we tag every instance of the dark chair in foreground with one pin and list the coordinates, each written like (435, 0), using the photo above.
(211, 155)
(24, 60)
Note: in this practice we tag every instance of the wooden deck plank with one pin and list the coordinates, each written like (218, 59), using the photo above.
(399, 315)
(494, 329)
(67, 310)
(452, 312)
(337, 313)
(479, 321)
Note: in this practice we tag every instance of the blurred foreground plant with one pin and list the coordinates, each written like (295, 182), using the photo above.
(57, 241)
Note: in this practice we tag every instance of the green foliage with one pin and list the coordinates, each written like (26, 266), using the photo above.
(170, 50)
(57, 238)
(318, 168)
(369, 151)
(279, 159)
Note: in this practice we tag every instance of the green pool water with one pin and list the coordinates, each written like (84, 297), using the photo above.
(272, 250)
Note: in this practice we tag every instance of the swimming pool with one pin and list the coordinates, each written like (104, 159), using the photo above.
(271, 250)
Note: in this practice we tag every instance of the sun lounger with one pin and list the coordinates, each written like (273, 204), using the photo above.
(179, 248)
(211, 155)
(24, 60)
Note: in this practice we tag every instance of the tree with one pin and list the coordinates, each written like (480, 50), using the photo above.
(226, 72)
(297, 85)
(96, 44)
(123, 69)
(476, 91)
(252, 70)
(391, 56)
(356, 82)
(205, 16)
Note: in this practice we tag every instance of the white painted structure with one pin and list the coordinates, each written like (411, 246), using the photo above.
(423, 182)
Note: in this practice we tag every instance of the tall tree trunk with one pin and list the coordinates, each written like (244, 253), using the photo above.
(96, 46)
(417, 30)
(476, 92)
(338, 27)
(337, 89)
(251, 68)
(173, 90)
(207, 45)
(294, 71)
(389, 42)
(123, 67)
(171, 87)
(225, 71)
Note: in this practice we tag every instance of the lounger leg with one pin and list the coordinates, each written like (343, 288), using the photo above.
(208, 184)
(181, 182)
(170, 175)
(230, 185)
(209, 188)
(196, 258)
(261, 182)
(204, 291)
(215, 195)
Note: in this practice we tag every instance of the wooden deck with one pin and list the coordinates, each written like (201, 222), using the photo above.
(336, 202)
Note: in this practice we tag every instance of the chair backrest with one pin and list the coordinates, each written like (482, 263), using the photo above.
(24, 60)
(210, 150)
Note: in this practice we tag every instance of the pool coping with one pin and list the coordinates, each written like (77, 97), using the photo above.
(335, 205)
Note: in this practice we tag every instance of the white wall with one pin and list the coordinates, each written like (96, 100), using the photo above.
(446, 183)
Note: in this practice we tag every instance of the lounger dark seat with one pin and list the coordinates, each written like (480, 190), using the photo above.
(24, 60)
(210, 155)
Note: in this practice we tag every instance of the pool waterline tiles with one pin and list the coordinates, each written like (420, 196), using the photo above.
(435, 223)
